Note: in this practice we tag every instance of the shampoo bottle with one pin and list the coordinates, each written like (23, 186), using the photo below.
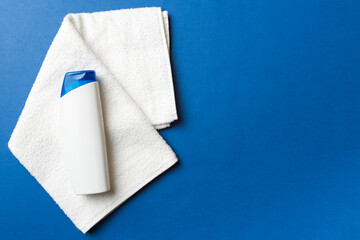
(82, 133)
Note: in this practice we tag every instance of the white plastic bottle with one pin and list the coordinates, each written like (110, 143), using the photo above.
(82, 133)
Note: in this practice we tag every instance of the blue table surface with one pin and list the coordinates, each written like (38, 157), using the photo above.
(269, 131)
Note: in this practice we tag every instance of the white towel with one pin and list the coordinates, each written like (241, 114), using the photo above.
(128, 49)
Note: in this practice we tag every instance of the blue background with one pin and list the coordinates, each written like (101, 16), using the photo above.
(269, 131)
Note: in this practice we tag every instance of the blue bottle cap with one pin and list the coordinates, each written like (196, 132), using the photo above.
(73, 80)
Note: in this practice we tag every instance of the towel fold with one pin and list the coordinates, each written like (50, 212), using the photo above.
(129, 50)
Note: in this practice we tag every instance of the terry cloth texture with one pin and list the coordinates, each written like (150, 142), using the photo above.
(129, 50)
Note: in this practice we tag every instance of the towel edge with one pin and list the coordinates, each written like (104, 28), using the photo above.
(112, 207)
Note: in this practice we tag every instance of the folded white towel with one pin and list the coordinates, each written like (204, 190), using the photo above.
(128, 49)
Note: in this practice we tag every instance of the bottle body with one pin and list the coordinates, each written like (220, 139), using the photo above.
(82, 137)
